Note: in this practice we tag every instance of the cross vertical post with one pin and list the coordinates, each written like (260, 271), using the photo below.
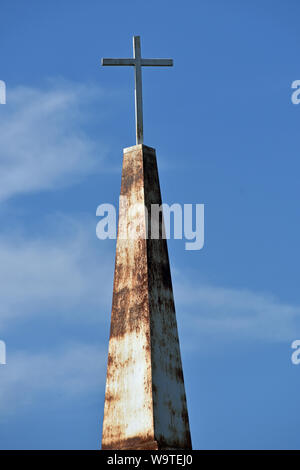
(138, 90)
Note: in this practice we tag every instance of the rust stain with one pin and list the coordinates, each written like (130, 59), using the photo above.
(135, 443)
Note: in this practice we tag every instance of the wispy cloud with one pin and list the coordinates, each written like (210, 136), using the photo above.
(72, 371)
(207, 312)
(66, 272)
(42, 139)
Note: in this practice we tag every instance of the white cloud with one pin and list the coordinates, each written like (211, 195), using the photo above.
(70, 273)
(208, 312)
(42, 142)
(65, 273)
(76, 370)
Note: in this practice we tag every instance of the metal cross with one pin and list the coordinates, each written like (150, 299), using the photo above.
(138, 62)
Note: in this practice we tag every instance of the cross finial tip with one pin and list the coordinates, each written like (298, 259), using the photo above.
(138, 62)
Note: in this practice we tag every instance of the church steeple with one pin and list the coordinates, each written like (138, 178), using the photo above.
(145, 402)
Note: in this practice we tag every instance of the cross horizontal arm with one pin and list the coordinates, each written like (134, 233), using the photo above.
(156, 62)
(118, 61)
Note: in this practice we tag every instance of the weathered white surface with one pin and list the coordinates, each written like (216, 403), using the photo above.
(128, 405)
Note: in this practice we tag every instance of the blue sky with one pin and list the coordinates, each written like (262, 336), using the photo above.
(226, 135)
